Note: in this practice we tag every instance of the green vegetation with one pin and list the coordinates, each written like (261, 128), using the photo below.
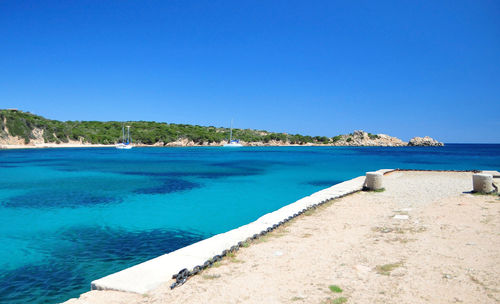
(232, 258)
(262, 239)
(28, 126)
(336, 138)
(340, 300)
(297, 299)
(235, 260)
(373, 136)
(387, 268)
(22, 124)
(216, 264)
(309, 212)
(335, 288)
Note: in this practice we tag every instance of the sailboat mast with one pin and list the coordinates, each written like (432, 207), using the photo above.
(128, 134)
(231, 132)
(123, 133)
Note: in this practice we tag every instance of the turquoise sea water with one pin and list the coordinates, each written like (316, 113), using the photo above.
(69, 216)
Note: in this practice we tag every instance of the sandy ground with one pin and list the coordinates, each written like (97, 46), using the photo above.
(447, 251)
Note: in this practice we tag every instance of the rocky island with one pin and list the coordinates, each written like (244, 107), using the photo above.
(362, 138)
(20, 129)
(424, 141)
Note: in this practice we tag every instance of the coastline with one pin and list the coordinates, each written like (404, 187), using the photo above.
(45, 146)
(39, 132)
(353, 228)
(254, 144)
(51, 145)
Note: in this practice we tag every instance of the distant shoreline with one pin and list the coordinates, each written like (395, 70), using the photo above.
(45, 146)
(53, 145)
(49, 146)
(19, 130)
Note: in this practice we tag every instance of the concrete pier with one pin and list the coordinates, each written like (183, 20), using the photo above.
(150, 274)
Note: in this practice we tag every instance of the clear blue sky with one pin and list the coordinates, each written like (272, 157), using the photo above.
(405, 68)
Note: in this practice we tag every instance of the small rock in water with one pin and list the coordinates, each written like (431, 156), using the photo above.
(424, 141)
(401, 217)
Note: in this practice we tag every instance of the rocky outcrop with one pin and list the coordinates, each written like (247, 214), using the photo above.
(35, 138)
(362, 138)
(424, 141)
(357, 138)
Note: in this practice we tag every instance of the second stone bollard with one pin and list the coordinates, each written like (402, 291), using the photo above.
(373, 181)
(482, 183)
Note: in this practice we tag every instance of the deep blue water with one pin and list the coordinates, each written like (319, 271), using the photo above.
(69, 216)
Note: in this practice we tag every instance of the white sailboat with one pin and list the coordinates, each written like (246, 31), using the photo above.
(125, 144)
(235, 142)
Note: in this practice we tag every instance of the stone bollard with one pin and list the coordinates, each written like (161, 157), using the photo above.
(482, 183)
(373, 180)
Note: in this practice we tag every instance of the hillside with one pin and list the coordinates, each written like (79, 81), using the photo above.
(17, 127)
(23, 128)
